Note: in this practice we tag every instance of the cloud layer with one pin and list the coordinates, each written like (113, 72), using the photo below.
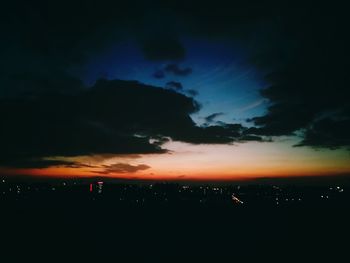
(112, 117)
(309, 90)
(47, 112)
(122, 168)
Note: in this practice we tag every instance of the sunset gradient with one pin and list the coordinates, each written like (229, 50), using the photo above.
(243, 161)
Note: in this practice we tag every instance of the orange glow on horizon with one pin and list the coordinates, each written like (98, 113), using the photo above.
(196, 176)
(207, 163)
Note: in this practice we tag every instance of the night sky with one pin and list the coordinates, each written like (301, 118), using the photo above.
(174, 90)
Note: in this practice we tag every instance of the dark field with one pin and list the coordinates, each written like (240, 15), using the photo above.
(77, 225)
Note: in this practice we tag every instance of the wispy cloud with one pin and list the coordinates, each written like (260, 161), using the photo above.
(122, 168)
(252, 105)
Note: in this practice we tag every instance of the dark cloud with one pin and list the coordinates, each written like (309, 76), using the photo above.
(159, 74)
(174, 85)
(31, 83)
(191, 92)
(306, 50)
(112, 117)
(176, 70)
(173, 69)
(163, 48)
(329, 133)
(123, 168)
(283, 119)
(214, 134)
(213, 116)
(251, 138)
(308, 87)
(49, 39)
(55, 35)
(38, 163)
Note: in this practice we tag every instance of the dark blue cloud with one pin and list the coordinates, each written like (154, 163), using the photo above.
(177, 70)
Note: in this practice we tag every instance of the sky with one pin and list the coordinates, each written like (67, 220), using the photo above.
(174, 90)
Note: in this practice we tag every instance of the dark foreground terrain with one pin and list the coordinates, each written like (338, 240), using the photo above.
(80, 227)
